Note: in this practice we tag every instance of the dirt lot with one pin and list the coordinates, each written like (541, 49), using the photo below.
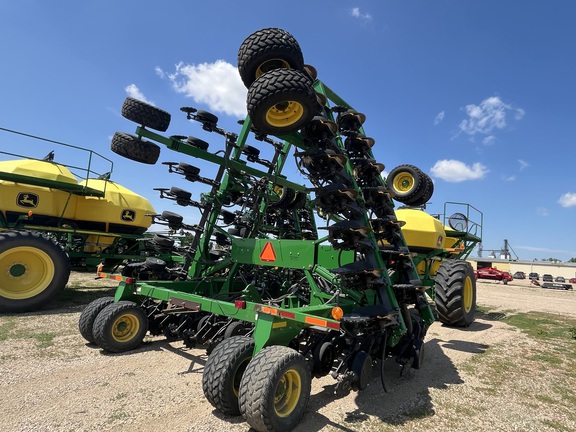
(489, 376)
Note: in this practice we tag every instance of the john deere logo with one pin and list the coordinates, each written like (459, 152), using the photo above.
(128, 215)
(27, 199)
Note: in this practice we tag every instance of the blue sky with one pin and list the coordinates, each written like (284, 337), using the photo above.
(478, 94)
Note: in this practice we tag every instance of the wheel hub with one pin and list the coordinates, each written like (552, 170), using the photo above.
(287, 393)
(284, 114)
(17, 270)
(272, 64)
(125, 327)
(403, 183)
(25, 272)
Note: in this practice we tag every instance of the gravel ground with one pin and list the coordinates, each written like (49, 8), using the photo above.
(475, 379)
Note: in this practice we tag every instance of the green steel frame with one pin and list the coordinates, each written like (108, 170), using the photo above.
(273, 325)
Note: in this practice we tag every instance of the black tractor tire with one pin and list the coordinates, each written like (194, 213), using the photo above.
(88, 316)
(173, 218)
(407, 182)
(425, 193)
(299, 201)
(286, 195)
(223, 372)
(132, 269)
(266, 50)
(455, 293)
(145, 114)
(206, 117)
(275, 389)
(33, 271)
(180, 194)
(120, 327)
(163, 241)
(189, 170)
(235, 328)
(198, 143)
(155, 264)
(133, 148)
(281, 101)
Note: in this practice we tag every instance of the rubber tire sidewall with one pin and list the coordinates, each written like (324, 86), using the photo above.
(60, 261)
(415, 192)
(267, 44)
(103, 324)
(425, 193)
(163, 241)
(259, 383)
(88, 316)
(145, 114)
(221, 369)
(276, 87)
(133, 148)
(235, 328)
(449, 293)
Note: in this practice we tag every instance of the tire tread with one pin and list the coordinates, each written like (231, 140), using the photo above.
(263, 45)
(218, 373)
(273, 86)
(145, 114)
(133, 148)
(88, 316)
(449, 284)
(105, 319)
(256, 386)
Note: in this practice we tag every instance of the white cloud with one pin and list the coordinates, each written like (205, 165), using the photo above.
(455, 171)
(489, 115)
(489, 140)
(355, 12)
(133, 91)
(568, 199)
(159, 72)
(217, 85)
(511, 178)
(519, 114)
(523, 164)
(542, 211)
(439, 117)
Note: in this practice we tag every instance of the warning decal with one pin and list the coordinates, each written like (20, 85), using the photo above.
(268, 254)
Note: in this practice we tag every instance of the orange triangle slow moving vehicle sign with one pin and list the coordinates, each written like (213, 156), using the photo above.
(268, 254)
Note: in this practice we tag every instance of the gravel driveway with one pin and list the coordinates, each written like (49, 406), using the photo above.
(474, 379)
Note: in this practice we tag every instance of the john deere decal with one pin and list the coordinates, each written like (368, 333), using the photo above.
(128, 215)
(27, 199)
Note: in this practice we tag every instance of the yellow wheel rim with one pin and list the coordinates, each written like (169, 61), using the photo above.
(287, 393)
(284, 114)
(278, 190)
(271, 64)
(25, 272)
(403, 182)
(468, 295)
(125, 327)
